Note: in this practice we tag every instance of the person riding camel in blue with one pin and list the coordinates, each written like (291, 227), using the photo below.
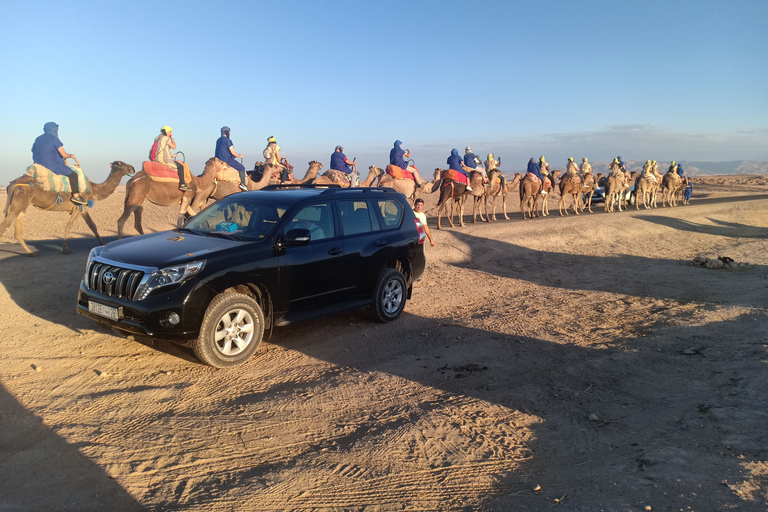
(165, 143)
(340, 162)
(225, 151)
(456, 163)
(397, 158)
(622, 165)
(533, 168)
(48, 151)
(473, 162)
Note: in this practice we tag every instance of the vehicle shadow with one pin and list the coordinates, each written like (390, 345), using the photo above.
(722, 228)
(41, 471)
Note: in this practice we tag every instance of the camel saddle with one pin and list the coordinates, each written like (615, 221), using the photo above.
(165, 173)
(52, 182)
(338, 177)
(452, 174)
(649, 177)
(572, 177)
(398, 173)
(227, 174)
(531, 177)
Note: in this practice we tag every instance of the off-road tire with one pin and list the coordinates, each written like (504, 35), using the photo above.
(389, 295)
(239, 322)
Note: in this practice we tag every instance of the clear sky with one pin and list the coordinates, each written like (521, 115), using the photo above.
(670, 79)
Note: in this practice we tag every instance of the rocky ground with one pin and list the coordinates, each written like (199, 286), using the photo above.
(578, 363)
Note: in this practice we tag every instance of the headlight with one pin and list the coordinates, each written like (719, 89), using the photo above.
(167, 276)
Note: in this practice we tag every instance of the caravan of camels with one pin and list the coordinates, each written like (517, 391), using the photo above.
(484, 185)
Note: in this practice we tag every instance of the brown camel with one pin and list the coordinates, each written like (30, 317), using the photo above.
(22, 192)
(614, 190)
(453, 192)
(142, 187)
(224, 188)
(645, 191)
(477, 194)
(529, 191)
(331, 178)
(405, 186)
(570, 185)
(671, 185)
(496, 191)
(588, 185)
(549, 186)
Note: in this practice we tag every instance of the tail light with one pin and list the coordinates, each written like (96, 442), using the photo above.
(420, 229)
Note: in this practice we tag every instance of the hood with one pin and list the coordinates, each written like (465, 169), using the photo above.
(455, 152)
(166, 248)
(51, 129)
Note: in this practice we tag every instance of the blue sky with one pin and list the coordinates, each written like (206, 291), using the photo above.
(683, 80)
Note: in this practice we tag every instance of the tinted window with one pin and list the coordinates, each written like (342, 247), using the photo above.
(390, 213)
(317, 218)
(356, 217)
(245, 218)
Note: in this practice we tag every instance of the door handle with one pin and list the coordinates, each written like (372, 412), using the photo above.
(380, 243)
(335, 251)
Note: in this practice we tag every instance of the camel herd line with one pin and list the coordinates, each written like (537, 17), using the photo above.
(212, 184)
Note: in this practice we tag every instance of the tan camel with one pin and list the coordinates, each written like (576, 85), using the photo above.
(549, 186)
(614, 190)
(529, 191)
(331, 178)
(22, 192)
(453, 192)
(477, 194)
(142, 187)
(671, 185)
(588, 185)
(224, 188)
(496, 191)
(645, 191)
(570, 185)
(406, 186)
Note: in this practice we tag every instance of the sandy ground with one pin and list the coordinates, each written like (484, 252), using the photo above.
(478, 398)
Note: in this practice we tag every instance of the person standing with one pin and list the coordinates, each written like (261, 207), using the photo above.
(48, 151)
(418, 206)
(688, 192)
(165, 143)
(340, 162)
(225, 151)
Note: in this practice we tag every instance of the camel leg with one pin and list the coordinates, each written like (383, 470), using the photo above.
(462, 200)
(92, 225)
(17, 205)
(73, 216)
(18, 232)
(504, 205)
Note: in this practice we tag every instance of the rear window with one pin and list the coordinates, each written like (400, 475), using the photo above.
(356, 218)
(390, 213)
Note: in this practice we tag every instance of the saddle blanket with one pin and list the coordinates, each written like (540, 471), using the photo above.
(228, 174)
(456, 176)
(397, 172)
(650, 177)
(339, 177)
(531, 177)
(165, 173)
(53, 182)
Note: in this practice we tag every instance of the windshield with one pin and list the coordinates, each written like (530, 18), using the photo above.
(238, 217)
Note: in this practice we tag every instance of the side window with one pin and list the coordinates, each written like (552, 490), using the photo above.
(356, 217)
(390, 213)
(317, 218)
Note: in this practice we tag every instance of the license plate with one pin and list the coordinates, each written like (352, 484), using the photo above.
(102, 310)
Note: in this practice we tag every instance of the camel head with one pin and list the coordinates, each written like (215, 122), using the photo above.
(377, 170)
(129, 170)
(212, 165)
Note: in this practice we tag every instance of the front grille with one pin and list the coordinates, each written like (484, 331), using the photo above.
(123, 285)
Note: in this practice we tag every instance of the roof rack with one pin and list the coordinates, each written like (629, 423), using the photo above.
(364, 190)
(298, 186)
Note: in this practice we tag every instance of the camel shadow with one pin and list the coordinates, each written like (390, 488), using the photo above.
(622, 274)
(722, 228)
(36, 462)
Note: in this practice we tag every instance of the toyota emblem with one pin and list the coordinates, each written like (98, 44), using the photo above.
(109, 278)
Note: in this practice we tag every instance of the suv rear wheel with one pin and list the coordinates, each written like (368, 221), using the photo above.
(389, 295)
(232, 329)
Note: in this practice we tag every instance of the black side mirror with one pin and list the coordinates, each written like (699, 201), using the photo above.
(297, 236)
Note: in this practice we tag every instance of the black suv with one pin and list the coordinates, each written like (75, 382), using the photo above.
(255, 260)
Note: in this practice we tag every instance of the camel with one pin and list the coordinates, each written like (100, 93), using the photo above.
(224, 188)
(614, 190)
(495, 191)
(141, 187)
(549, 186)
(405, 186)
(454, 192)
(22, 192)
(645, 191)
(531, 191)
(330, 178)
(478, 194)
(570, 186)
(671, 185)
(589, 182)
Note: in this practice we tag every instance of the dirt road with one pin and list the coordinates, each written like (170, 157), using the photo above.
(567, 363)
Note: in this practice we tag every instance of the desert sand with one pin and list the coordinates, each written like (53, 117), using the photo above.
(578, 363)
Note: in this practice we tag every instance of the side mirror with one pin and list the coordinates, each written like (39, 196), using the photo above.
(297, 236)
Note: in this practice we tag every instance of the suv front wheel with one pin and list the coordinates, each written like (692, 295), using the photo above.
(232, 329)
(389, 296)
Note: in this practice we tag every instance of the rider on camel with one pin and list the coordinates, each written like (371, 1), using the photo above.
(491, 164)
(397, 158)
(457, 164)
(586, 167)
(48, 151)
(533, 168)
(339, 162)
(225, 151)
(473, 162)
(165, 143)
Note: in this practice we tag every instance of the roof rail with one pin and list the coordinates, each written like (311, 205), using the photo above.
(298, 186)
(364, 190)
